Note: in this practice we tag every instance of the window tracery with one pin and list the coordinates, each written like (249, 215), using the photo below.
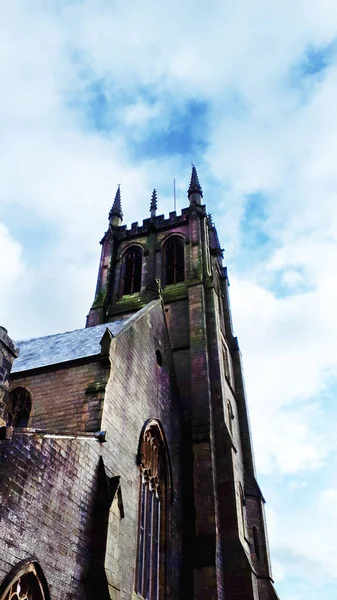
(152, 515)
(25, 586)
(19, 407)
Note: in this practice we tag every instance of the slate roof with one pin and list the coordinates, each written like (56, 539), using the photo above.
(62, 347)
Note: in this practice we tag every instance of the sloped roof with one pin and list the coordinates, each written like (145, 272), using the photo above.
(63, 347)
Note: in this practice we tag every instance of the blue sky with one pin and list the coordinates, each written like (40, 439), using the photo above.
(97, 93)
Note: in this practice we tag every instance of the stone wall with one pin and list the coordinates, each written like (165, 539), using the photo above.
(140, 389)
(8, 353)
(66, 398)
(52, 490)
(47, 492)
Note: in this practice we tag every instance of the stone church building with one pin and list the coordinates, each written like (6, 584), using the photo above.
(126, 465)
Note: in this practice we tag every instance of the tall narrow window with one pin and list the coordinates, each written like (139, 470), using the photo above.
(19, 407)
(230, 417)
(256, 542)
(174, 260)
(225, 360)
(151, 560)
(228, 365)
(243, 510)
(132, 270)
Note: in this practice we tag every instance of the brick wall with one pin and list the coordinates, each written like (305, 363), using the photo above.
(66, 398)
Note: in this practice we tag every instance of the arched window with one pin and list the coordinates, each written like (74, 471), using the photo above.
(19, 407)
(28, 584)
(230, 417)
(152, 518)
(132, 270)
(174, 260)
(256, 542)
(225, 356)
(243, 510)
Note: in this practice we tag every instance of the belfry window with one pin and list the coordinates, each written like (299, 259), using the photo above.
(174, 260)
(19, 407)
(132, 270)
(151, 559)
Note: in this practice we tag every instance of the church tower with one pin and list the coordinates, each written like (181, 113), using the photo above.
(180, 260)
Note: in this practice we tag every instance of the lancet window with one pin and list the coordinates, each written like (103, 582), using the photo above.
(256, 542)
(243, 510)
(230, 416)
(174, 260)
(132, 270)
(19, 407)
(152, 524)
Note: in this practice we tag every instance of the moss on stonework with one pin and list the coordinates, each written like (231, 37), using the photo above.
(129, 302)
(175, 291)
(99, 300)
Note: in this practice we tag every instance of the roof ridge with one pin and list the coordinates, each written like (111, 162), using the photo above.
(50, 335)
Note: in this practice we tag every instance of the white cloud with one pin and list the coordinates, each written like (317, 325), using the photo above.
(327, 504)
(12, 270)
(11, 266)
(301, 539)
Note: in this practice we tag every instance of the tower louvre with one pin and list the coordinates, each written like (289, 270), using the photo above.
(180, 260)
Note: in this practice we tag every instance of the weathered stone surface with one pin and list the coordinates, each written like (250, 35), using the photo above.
(8, 353)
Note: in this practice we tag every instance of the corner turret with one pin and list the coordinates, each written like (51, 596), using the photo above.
(116, 214)
(195, 192)
(153, 205)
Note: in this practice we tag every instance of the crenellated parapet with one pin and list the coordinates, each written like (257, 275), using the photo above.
(159, 222)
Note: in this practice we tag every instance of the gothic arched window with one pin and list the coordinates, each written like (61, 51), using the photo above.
(132, 270)
(19, 407)
(230, 416)
(256, 542)
(243, 510)
(174, 263)
(27, 584)
(152, 518)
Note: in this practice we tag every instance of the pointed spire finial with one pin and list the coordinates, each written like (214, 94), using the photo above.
(195, 188)
(153, 205)
(116, 213)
